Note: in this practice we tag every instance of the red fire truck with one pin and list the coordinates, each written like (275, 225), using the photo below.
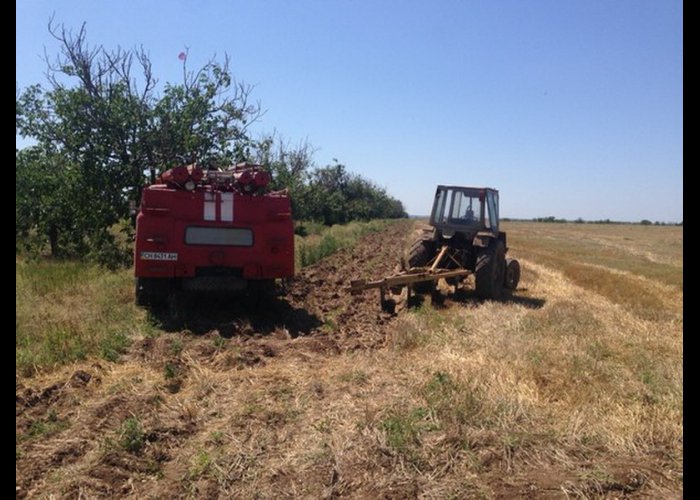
(205, 230)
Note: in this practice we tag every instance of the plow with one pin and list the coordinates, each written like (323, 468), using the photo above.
(393, 285)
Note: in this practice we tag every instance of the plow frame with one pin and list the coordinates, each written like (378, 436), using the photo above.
(393, 284)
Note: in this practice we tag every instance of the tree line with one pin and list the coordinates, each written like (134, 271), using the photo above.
(330, 194)
(102, 128)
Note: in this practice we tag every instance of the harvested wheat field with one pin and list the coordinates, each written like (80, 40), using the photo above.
(570, 388)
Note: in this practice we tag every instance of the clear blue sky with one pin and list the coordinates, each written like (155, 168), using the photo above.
(569, 108)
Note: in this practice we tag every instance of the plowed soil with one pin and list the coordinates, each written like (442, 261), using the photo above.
(79, 418)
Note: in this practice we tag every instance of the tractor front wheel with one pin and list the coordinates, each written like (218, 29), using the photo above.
(512, 274)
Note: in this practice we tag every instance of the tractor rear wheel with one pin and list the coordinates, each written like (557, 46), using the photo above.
(419, 254)
(512, 274)
(490, 271)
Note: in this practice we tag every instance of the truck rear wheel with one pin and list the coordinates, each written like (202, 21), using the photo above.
(490, 271)
(260, 292)
(140, 294)
(262, 288)
(151, 291)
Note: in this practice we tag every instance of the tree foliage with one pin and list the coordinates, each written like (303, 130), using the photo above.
(329, 194)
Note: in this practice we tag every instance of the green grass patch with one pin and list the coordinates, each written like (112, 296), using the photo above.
(132, 437)
(321, 241)
(46, 427)
(113, 345)
(355, 377)
(404, 428)
(200, 464)
(456, 405)
(67, 311)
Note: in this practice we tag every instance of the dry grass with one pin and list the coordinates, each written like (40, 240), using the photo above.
(652, 252)
(573, 388)
(595, 373)
(638, 267)
(583, 378)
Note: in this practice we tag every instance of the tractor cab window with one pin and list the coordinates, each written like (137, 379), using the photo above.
(465, 209)
(456, 207)
(440, 214)
(492, 210)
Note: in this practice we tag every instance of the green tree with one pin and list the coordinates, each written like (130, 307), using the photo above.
(338, 196)
(45, 202)
(291, 168)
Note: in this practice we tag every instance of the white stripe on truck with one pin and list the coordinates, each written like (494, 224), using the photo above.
(227, 207)
(209, 206)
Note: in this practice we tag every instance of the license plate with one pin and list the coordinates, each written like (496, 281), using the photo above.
(159, 256)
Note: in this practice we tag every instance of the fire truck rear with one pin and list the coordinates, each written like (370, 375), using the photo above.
(203, 230)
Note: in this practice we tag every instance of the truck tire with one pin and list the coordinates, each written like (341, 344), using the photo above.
(512, 277)
(151, 291)
(419, 254)
(490, 271)
(262, 288)
(140, 294)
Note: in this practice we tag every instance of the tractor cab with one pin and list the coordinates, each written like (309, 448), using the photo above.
(464, 210)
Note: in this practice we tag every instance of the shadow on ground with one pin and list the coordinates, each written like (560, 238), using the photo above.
(464, 295)
(233, 314)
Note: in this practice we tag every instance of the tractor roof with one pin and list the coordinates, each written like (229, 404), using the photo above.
(474, 188)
